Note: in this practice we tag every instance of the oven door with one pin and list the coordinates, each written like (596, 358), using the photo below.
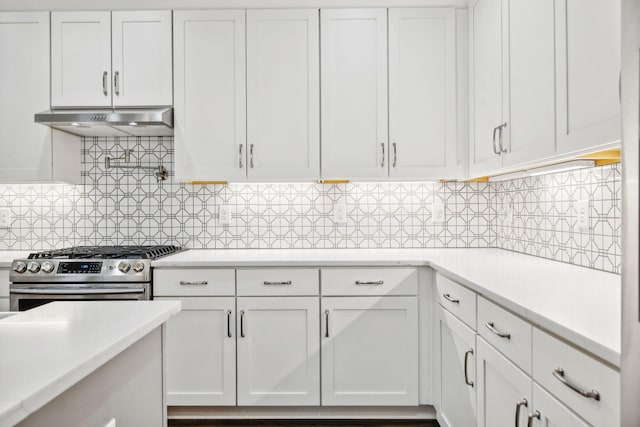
(24, 297)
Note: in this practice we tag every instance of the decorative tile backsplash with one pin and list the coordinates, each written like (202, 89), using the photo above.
(129, 206)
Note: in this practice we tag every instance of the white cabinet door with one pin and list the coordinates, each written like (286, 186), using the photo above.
(531, 82)
(502, 389)
(422, 93)
(369, 351)
(210, 113)
(201, 353)
(588, 67)
(81, 59)
(354, 93)
(552, 412)
(142, 60)
(283, 94)
(24, 88)
(486, 85)
(457, 379)
(278, 351)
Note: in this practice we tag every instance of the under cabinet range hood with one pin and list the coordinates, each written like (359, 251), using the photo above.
(110, 122)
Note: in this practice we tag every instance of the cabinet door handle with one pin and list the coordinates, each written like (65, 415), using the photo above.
(453, 300)
(490, 326)
(251, 156)
(229, 323)
(188, 282)
(495, 149)
(285, 282)
(466, 376)
(326, 319)
(382, 162)
(242, 323)
(520, 404)
(593, 394)
(501, 127)
(376, 282)
(116, 82)
(240, 163)
(105, 88)
(536, 415)
(395, 155)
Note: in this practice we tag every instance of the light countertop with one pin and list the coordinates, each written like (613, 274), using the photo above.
(6, 257)
(581, 305)
(48, 349)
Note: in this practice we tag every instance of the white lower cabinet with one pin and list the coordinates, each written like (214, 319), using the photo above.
(369, 351)
(201, 353)
(278, 351)
(549, 412)
(457, 380)
(4, 290)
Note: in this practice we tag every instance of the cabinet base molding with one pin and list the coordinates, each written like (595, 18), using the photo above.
(422, 412)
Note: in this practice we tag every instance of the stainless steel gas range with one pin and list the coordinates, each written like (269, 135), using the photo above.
(84, 273)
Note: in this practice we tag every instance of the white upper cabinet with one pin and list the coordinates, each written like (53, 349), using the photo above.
(210, 96)
(354, 93)
(142, 59)
(82, 44)
(422, 93)
(588, 70)
(283, 94)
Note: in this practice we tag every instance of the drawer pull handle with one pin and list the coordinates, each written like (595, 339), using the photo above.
(532, 417)
(453, 300)
(188, 282)
(520, 404)
(492, 328)
(326, 317)
(229, 323)
(286, 282)
(379, 282)
(559, 374)
(242, 323)
(466, 375)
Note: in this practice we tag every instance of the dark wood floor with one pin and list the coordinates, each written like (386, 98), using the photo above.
(302, 423)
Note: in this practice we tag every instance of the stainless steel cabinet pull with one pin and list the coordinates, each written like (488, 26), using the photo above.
(229, 323)
(326, 318)
(536, 415)
(395, 155)
(466, 376)
(242, 323)
(501, 127)
(593, 394)
(520, 404)
(251, 156)
(495, 150)
(116, 82)
(286, 282)
(105, 88)
(382, 163)
(453, 300)
(492, 328)
(240, 156)
(379, 282)
(187, 282)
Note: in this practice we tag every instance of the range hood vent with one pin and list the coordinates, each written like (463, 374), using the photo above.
(110, 122)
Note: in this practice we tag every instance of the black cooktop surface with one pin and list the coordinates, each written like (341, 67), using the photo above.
(109, 252)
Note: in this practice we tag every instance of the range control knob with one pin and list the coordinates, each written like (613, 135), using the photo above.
(138, 266)
(33, 267)
(47, 267)
(124, 267)
(19, 267)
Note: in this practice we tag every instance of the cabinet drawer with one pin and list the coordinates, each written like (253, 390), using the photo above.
(369, 281)
(457, 299)
(515, 343)
(4, 283)
(190, 282)
(278, 281)
(551, 355)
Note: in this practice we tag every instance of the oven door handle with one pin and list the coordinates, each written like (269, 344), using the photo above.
(109, 291)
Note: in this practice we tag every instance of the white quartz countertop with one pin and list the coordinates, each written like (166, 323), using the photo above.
(48, 349)
(6, 257)
(579, 304)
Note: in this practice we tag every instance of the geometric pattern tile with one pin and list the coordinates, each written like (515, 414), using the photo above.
(130, 207)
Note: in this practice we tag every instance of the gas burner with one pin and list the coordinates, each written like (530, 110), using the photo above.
(108, 252)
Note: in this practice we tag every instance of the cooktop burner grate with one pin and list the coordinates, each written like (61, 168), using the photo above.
(108, 252)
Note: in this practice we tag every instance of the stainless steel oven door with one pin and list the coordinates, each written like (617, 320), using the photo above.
(23, 297)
